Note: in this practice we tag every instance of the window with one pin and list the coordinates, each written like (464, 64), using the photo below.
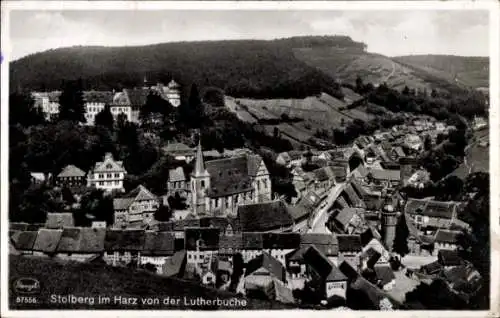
(202, 183)
(117, 182)
(109, 175)
(101, 183)
(227, 203)
(101, 176)
(117, 175)
(418, 218)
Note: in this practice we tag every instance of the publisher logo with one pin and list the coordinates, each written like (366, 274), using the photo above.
(26, 286)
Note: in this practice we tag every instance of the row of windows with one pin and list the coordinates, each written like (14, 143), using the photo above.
(108, 175)
(109, 183)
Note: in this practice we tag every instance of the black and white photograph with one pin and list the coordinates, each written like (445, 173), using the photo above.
(246, 157)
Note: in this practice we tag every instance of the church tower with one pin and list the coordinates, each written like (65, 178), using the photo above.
(200, 182)
(389, 221)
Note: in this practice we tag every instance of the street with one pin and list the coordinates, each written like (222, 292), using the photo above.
(321, 215)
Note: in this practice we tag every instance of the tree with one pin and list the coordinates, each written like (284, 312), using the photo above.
(163, 214)
(427, 143)
(176, 202)
(195, 106)
(359, 85)
(23, 111)
(401, 238)
(238, 266)
(105, 118)
(406, 91)
(71, 105)
(449, 189)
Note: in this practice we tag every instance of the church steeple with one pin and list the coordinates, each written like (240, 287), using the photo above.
(199, 167)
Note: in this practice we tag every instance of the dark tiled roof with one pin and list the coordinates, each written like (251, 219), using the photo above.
(174, 265)
(158, 243)
(371, 256)
(47, 240)
(202, 237)
(220, 223)
(70, 240)
(124, 240)
(449, 258)
(122, 203)
(384, 273)
(105, 97)
(59, 220)
(140, 193)
(325, 243)
(230, 243)
(382, 174)
(178, 147)
(18, 226)
(264, 216)
(368, 235)
(231, 175)
(137, 96)
(92, 240)
(445, 236)
(24, 240)
(353, 196)
(304, 206)
(71, 171)
(348, 243)
(268, 262)
(322, 266)
(252, 241)
(281, 240)
(176, 174)
(445, 210)
(432, 268)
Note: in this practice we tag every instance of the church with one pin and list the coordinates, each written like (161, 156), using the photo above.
(219, 186)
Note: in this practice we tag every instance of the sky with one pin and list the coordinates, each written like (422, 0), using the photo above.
(391, 33)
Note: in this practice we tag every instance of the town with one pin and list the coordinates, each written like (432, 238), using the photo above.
(357, 223)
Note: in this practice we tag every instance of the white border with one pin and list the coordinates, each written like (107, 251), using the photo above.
(492, 6)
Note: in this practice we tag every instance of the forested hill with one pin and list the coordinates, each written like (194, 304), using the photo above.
(241, 67)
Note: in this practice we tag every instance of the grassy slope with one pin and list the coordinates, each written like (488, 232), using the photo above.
(470, 71)
(93, 280)
(373, 68)
(478, 158)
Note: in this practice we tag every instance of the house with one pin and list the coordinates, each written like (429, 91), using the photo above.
(463, 279)
(135, 209)
(261, 270)
(278, 245)
(23, 241)
(220, 186)
(40, 178)
(107, 174)
(121, 104)
(414, 142)
(349, 248)
(304, 207)
(327, 244)
(175, 265)
(48, 103)
(345, 221)
(383, 177)
(123, 247)
(94, 103)
(46, 242)
(431, 214)
(449, 258)
(70, 177)
(385, 276)
(290, 159)
(230, 245)
(252, 245)
(59, 220)
(431, 268)
(81, 244)
(479, 123)
(201, 244)
(177, 182)
(396, 153)
(369, 258)
(137, 98)
(446, 240)
(324, 277)
(419, 179)
(179, 151)
(158, 248)
(264, 217)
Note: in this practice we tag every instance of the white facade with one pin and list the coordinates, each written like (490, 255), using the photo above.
(157, 261)
(107, 175)
(336, 289)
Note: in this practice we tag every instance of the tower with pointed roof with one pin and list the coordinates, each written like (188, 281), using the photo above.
(200, 183)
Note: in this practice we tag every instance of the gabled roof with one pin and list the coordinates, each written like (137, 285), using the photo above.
(70, 240)
(176, 174)
(109, 165)
(71, 171)
(304, 207)
(446, 210)
(371, 256)
(449, 258)
(446, 236)
(105, 97)
(18, 226)
(383, 174)
(252, 241)
(124, 240)
(344, 216)
(432, 268)
(47, 240)
(353, 196)
(137, 96)
(24, 240)
(158, 243)
(178, 147)
(141, 193)
(174, 265)
(322, 266)
(122, 203)
(348, 243)
(263, 216)
(384, 273)
(92, 240)
(272, 265)
(230, 243)
(281, 240)
(59, 220)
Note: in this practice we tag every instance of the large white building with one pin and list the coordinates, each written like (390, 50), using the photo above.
(48, 102)
(107, 174)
